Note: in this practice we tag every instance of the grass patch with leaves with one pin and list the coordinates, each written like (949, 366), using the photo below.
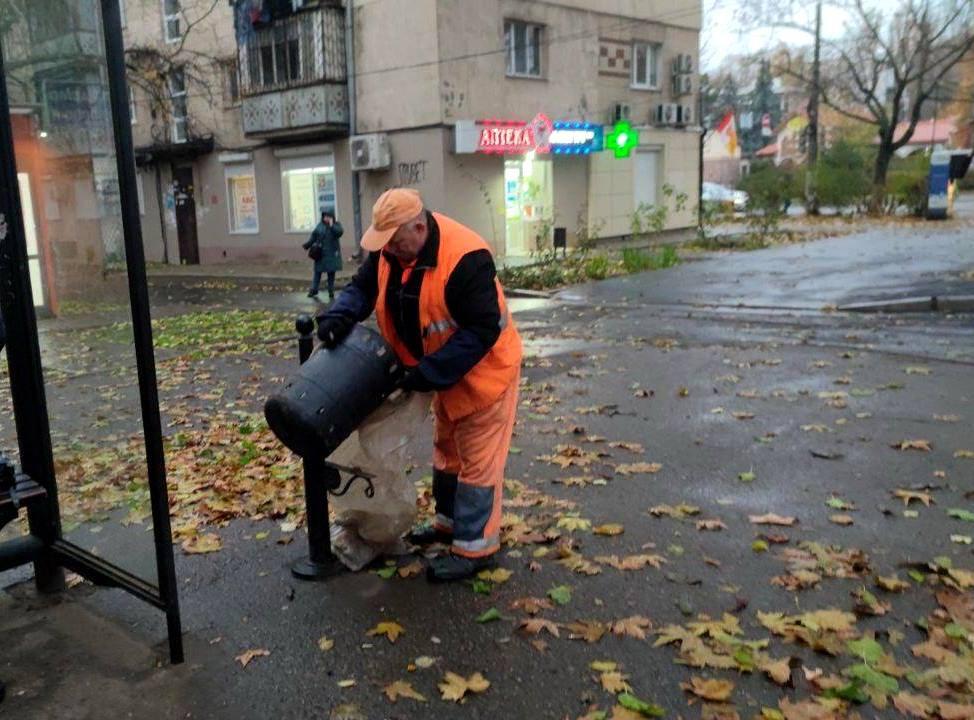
(551, 271)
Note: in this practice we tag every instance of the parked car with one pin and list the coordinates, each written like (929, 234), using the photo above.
(717, 194)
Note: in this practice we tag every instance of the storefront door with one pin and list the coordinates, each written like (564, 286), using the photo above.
(528, 204)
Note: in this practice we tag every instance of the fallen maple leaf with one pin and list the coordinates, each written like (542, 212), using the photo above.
(919, 706)
(711, 525)
(921, 445)
(325, 643)
(614, 682)
(892, 583)
(245, 657)
(533, 626)
(631, 562)
(772, 519)
(965, 454)
(410, 570)
(908, 496)
(455, 687)
(777, 670)
(498, 576)
(955, 711)
(588, 630)
(532, 605)
(633, 626)
(205, 543)
(609, 529)
(841, 519)
(391, 630)
(637, 468)
(402, 689)
(715, 690)
(680, 511)
(630, 446)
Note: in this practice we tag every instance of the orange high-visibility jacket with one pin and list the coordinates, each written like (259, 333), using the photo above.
(488, 379)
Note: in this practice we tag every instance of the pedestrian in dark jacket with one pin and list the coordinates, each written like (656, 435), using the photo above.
(323, 247)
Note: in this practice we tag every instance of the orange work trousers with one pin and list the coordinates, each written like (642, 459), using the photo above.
(469, 455)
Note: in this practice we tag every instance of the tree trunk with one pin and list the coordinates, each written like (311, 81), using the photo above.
(883, 157)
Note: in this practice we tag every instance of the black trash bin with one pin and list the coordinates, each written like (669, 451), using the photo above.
(333, 392)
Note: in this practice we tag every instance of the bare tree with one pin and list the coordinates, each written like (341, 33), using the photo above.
(890, 61)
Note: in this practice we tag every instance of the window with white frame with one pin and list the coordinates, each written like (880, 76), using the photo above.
(523, 41)
(242, 198)
(177, 95)
(308, 187)
(171, 20)
(645, 66)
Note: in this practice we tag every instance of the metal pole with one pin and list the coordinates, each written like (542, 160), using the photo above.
(142, 325)
(353, 118)
(321, 563)
(24, 357)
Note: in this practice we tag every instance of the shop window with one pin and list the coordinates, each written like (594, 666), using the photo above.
(523, 42)
(242, 199)
(645, 66)
(171, 21)
(308, 187)
(177, 95)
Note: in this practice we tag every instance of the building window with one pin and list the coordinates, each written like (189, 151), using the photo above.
(231, 84)
(645, 66)
(171, 13)
(523, 44)
(133, 115)
(177, 94)
(275, 59)
(242, 198)
(308, 187)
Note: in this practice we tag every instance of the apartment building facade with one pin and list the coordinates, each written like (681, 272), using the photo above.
(525, 120)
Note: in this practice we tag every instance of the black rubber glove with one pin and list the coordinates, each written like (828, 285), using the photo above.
(414, 381)
(333, 329)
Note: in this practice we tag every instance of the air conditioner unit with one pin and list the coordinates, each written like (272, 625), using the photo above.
(682, 64)
(685, 114)
(370, 152)
(682, 85)
(620, 112)
(665, 114)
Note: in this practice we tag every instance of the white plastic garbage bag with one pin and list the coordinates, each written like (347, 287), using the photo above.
(365, 528)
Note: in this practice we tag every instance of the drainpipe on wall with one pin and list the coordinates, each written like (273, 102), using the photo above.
(353, 117)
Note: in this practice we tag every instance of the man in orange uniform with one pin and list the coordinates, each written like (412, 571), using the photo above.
(438, 303)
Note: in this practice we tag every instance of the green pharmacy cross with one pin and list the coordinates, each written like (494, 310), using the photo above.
(622, 139)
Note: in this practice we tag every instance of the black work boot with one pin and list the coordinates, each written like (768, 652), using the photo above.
(449, 568)
(428, 535)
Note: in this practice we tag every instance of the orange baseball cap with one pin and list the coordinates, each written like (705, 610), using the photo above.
(394, 208)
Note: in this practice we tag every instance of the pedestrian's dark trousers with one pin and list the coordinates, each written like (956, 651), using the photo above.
(316, 281)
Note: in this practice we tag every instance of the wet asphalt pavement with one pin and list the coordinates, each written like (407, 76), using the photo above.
(722, 366)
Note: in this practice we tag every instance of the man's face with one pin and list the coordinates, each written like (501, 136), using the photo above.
(408, 241)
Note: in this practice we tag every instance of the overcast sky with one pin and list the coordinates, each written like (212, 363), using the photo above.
(722, 35)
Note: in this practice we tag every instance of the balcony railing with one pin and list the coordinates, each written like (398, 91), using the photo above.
(306, 48)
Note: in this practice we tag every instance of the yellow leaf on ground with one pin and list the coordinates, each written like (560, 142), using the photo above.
(955, 711)
(921, 445)
(410, 570)
(709, 689)
(454, 687)
(533, 626)
(713, 524)
(841, 519)
(966, 454)
(772, 519)
(609, 529)
(391, 630)
(908, 496)
(639, 468)
(402, 689)
(892, 583)
(346, 683)
(919, 706)
(588, 630)
(614, 682)
(245, 657)
(603, 666)
(633, 626)
(325, 643)
(680, 511)
(205, 543)
(777, 670)
(498, 576)
(573, 523)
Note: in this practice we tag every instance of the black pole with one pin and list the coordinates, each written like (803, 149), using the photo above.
(321, 563)
(24, 356)
(811, 196)
(142, 325)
